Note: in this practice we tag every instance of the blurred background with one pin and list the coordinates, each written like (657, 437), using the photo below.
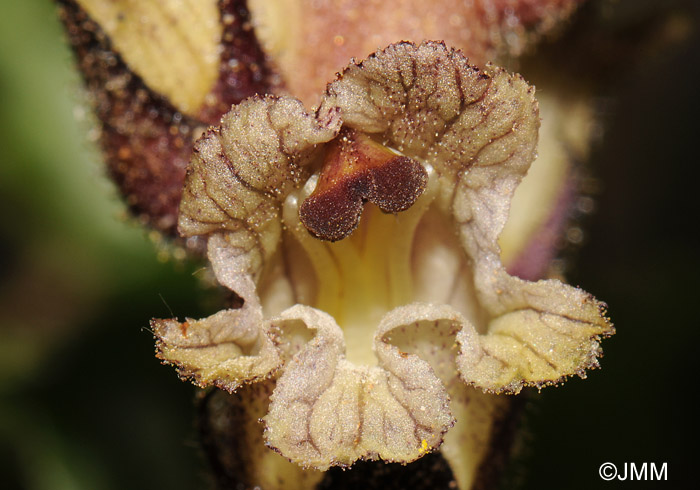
(85, 405)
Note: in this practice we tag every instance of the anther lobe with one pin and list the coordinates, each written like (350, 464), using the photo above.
(356, 170)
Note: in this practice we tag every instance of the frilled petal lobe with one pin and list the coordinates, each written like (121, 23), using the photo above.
(474, 133)
(225, 350)
(327, 411)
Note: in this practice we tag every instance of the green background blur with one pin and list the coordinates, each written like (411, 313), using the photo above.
(85, 405)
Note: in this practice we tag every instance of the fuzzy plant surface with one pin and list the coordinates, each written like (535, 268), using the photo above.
(356, 174)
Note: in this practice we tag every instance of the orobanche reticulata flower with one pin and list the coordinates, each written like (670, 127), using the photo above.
(362, 238)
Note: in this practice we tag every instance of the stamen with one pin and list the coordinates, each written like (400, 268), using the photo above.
(357, 169)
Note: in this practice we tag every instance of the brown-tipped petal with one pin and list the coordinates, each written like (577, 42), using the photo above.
(155, 79)
(355, 170)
